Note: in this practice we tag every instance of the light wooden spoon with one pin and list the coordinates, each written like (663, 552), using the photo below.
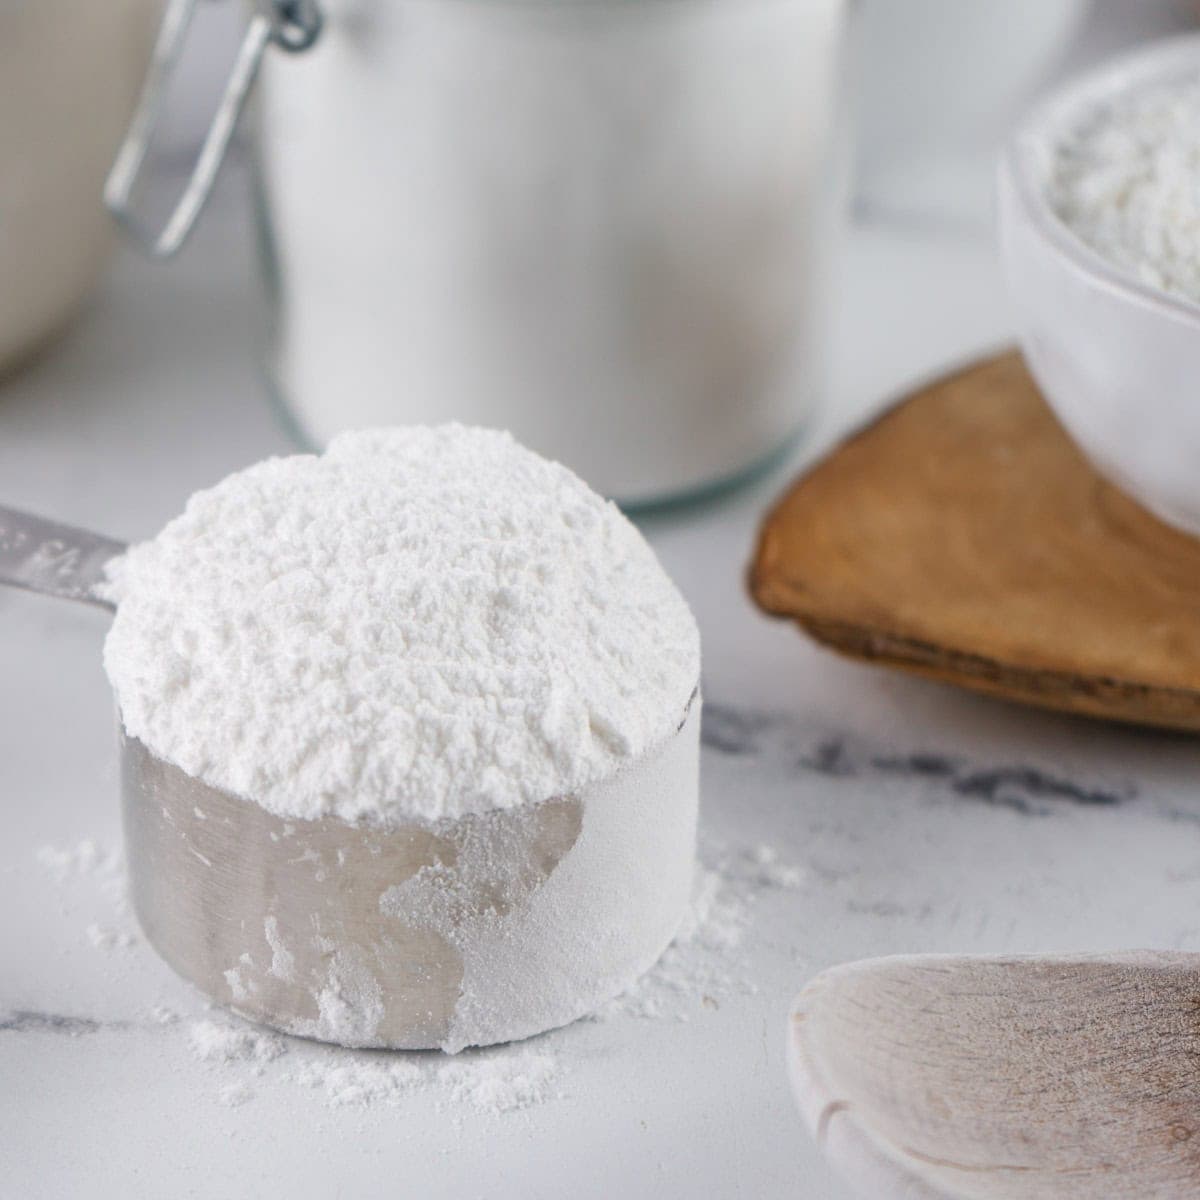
(1038, 1078)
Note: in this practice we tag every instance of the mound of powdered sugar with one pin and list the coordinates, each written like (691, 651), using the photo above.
(1126, 179)
(420, 623)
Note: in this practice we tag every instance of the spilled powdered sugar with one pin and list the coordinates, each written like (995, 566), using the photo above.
(236, 1094)
(86, 859)
(763, 869)
(107, 937)
(699, 970)
(491, 1082)
(352, 1079)
(222, 1042)
(488, 1081)
(500, 1083)
(699, 967)
(88, 862)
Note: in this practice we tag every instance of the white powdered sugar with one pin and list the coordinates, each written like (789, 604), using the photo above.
(349, 1080)
(490, 1082)
(84, 859)
(109, 938)
(88, 863)
(236, 1094)
(502, 1083)
(1126, 179)
(700, 970)
(421, 623)
(220, 1042)
(700, 966)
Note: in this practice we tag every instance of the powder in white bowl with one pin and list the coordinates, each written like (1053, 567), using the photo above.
(422, 623)
(1126, 179)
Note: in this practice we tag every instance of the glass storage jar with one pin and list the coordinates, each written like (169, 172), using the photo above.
(602, 224)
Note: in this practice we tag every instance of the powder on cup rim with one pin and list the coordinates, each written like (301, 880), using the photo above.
(421, 623)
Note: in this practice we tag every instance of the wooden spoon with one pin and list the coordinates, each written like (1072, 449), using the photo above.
(1038, 1078)
(964, 537)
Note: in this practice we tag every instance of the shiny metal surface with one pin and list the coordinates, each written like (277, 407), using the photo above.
(316, 927)
(207, 870)
(53, 559)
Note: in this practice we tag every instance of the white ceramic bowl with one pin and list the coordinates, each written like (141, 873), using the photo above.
(1118, 360)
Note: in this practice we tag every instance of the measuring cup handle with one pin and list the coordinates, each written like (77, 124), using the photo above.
(55, 560)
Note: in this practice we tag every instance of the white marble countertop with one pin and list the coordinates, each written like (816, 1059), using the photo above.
(920, 818)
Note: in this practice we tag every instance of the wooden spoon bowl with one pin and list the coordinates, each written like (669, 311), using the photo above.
(1019, 1078)
(962, 536)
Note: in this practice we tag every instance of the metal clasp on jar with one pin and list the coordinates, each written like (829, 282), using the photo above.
(292, 25)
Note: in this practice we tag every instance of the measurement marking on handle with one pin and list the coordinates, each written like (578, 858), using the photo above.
(55, 560)
(12, 539)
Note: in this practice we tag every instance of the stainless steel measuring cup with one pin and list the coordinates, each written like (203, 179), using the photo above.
(468, 932)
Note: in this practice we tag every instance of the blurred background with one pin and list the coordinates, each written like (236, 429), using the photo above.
(472, 211)
(938, 81)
